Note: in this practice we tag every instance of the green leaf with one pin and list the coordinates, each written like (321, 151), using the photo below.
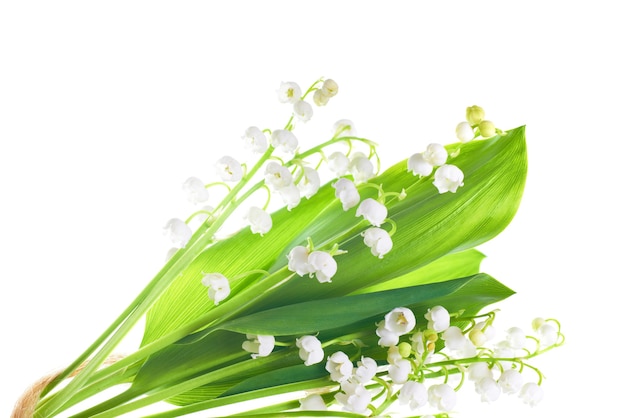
(430, 226)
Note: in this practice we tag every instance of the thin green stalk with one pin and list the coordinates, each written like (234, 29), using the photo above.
(155, 288)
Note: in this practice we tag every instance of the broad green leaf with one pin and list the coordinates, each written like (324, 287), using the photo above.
(430, 226)
(337, 317)
(451, 266)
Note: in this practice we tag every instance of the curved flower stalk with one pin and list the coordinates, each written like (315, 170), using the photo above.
(227, 316)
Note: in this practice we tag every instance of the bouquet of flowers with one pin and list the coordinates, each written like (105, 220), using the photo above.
(349, 291)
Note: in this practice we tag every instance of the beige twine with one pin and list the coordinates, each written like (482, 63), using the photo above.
(27, 403)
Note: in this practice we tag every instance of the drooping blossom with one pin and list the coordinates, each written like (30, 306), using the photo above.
(228, 169)
(339, 366)
(347, 193)
(255, 140)
(303, 110)
(378, 240)
(289, 92)
(354, 397)
(284, 141)
(448, 178)
(438, 318)
(196, 191)
(178, 232)
(259, 345)
(414, 394)
(442, 397)
(219, 287)
(260, 221)
(310, 349)
(372, 211)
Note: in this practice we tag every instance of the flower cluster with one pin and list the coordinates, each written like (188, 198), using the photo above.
(429, 367)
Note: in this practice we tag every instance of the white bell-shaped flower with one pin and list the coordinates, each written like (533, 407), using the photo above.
(338, 163)
(419, 166)
(548, 334)
(435, 155)
(344, 127)
(488, 389)
(330, 87)
(400, 321)
(303, 110)
(361, 167)
(284, 141)
(438, 318)
(313, 402)
(310, 182)
(289, 92)
(347, 193)
(339, 366)
(464, 132)
(259, 345)
(277, 176)
(290, 195)
(219, 287)
(178, 232)
(196, 192)
(298, 261)
(228, 169)
(531, 393)
(442, 397)
(323, 264)
(516, 338)
(354, 397)
(454, 338)
(378, 240)
(414, 394)
(260, 221)
(399, 371)
(255, 140)
(372, 211)
(310, 349)
(478, 371)
(388, 338)
(510, 381)
(448, 178)
(366, 370)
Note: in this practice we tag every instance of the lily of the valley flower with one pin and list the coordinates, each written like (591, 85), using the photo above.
(323, 265)
(318, 263)
(219, 287)
(474, 115)
(372, 211)
(478, 371)
(255, 140)
(259, 345)
(366, 370)
(488, 389)
(347, 193)
(458, 342)
(284, 140)
(361, 167)
(277, 176)
(400, 321)
(378, 240)
(311, 351)
(330, 88)
(196, 192)
(464, 132)
(339, 366)
(510, 381)
(354, 397)
(531, 393)
(289, 92)
(422, 164)
(310, 183)
(338, 163)
(399, 371)
(516, 338)
(178, 232)
(319, 98)
(303, 110)
(448, 178)
(344, 127)
(418, 165)
(260, 221)
(414, 394)
(290, 195)
(438, 319)
(442, 397)
(228, 169)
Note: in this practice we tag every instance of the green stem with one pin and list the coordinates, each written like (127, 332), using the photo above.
(200, 239)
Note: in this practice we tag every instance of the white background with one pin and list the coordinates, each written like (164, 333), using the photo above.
(106, 107)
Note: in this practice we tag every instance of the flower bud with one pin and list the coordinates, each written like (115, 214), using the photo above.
(330, 88)
(320, 99)
(487, 129)
(405, 349)
(474, 115)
